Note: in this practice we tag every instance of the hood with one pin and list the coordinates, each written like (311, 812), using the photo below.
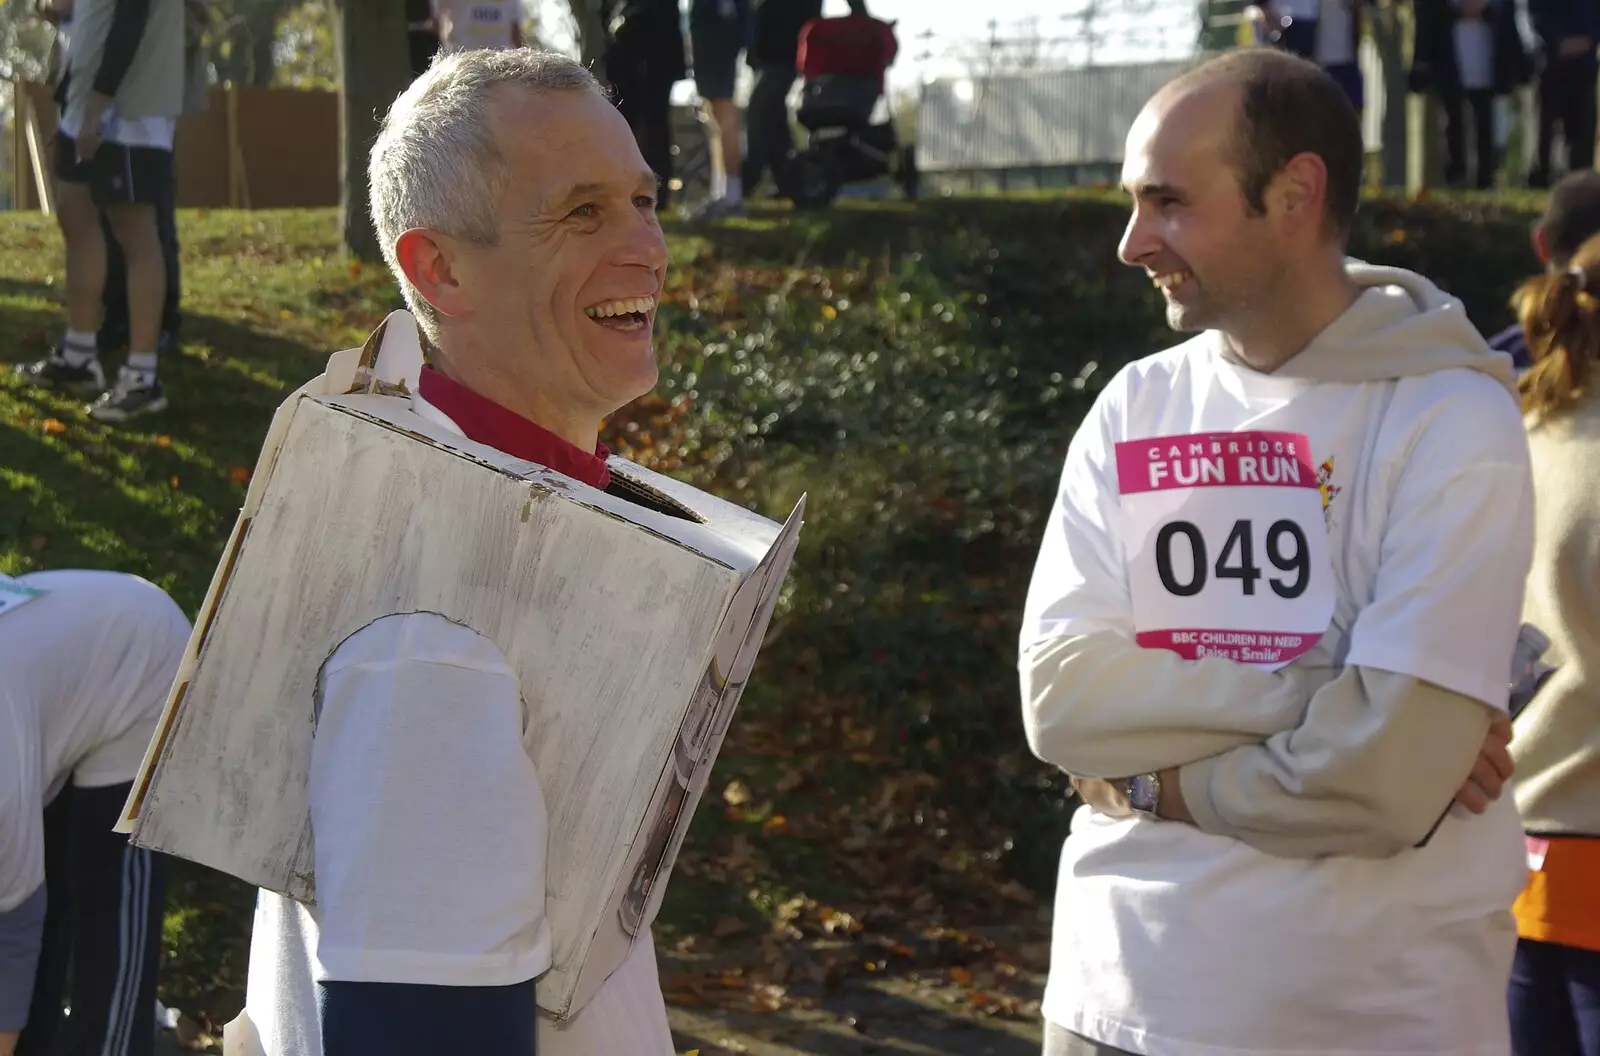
(1401, 326)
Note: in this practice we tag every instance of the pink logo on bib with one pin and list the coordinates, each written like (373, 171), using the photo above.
(1226, 545)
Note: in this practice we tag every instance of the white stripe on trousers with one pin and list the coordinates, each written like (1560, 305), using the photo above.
(133, 924)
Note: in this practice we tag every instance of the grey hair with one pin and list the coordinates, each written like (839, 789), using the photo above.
(435, 163)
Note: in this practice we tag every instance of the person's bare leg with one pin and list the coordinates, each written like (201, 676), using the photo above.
(134, 225)
(79, 219)
(726, 114)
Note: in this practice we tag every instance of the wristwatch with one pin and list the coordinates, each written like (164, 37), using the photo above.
(1144, 793)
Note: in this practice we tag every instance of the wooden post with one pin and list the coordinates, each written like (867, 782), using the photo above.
(1423, 163)
(375, 67)
(39, 156)
(238, 175)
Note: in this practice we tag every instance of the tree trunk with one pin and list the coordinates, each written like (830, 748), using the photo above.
(374, 66)
(261, 64)
(591, 35)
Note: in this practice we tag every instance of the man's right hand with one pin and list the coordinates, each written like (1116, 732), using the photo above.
(1492, 769)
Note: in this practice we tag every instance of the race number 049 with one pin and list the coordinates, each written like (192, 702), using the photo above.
(1237, 560)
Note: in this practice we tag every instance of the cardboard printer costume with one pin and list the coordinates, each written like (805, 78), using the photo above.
(631, 617)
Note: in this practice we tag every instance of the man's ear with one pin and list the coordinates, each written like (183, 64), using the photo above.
(1541, 245)
(1301, 189)
(429, 261)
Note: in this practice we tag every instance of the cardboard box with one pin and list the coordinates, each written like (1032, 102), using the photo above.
(633, 625)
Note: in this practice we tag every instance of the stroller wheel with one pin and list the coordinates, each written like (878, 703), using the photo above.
(809, 182)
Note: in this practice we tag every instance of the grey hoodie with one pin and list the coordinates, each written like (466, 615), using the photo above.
(1372, 759)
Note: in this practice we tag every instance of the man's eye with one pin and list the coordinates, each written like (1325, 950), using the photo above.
(587, 210)
(645, 201)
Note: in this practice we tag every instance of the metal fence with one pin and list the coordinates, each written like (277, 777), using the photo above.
(1060, 118)
(1061, 126)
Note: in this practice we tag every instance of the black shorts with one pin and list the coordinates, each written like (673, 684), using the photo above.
(716, 43)
(116, 174)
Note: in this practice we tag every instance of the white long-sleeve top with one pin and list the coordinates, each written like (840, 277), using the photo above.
(430, 834)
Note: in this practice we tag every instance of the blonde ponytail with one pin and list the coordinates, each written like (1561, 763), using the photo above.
(1560, 317)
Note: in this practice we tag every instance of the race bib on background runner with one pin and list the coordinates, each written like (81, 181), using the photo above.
(1226, 545)
(14, 594)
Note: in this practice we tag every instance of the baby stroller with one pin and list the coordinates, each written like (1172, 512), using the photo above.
(842, 63)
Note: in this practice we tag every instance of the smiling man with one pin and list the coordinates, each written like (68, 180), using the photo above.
(519, 219)
(1271, 626)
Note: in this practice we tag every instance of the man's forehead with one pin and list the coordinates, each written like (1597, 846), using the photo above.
(1177, 136)
(568, 143)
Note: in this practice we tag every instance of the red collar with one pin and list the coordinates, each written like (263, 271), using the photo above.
(486, 422)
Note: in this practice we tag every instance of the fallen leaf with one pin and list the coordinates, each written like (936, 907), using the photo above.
(163, 441)
(53, 426)
(775, 824)
(175, 482)
(736, 794)
(768, 997)
(1016, 892)
(239, 474)
(961, 975)
(791, 780)
(728, 926)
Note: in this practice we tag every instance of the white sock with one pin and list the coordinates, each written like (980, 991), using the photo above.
(143, 364)
(734, 191)
(79, 349)
(719, 183)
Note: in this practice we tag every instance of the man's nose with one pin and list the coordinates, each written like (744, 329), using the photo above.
(1139, 242)
(642, 243)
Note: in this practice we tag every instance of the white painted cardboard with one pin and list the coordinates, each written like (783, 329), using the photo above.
(634, 632)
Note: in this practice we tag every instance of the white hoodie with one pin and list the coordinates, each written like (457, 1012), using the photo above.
(1297, 916)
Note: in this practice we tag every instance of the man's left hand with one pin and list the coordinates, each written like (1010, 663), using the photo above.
(1104, 797)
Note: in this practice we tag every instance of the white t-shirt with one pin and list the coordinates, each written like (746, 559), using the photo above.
(1474, 41)
(430, 832)
(1336, 35)
(466, 24)
(159, 132)
(1169, 941)
(84, 673)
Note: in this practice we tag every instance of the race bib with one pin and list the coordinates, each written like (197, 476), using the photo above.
(1226, 545)
(14, 595)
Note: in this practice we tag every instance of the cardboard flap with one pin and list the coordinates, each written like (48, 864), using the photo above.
(705, 725)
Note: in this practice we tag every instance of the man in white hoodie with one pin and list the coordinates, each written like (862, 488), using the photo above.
(1271, 625)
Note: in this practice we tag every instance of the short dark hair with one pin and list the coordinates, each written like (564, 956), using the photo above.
(1571, 214)
(1288, 106)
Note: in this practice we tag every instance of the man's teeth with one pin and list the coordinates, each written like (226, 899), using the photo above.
(640, 305)
(1169, 280)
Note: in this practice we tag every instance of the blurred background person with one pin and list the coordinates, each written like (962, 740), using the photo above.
(1566, 32)
(718, 32)
(774, 44)
(1468, 53)
(1555, 982)
(644, 58)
